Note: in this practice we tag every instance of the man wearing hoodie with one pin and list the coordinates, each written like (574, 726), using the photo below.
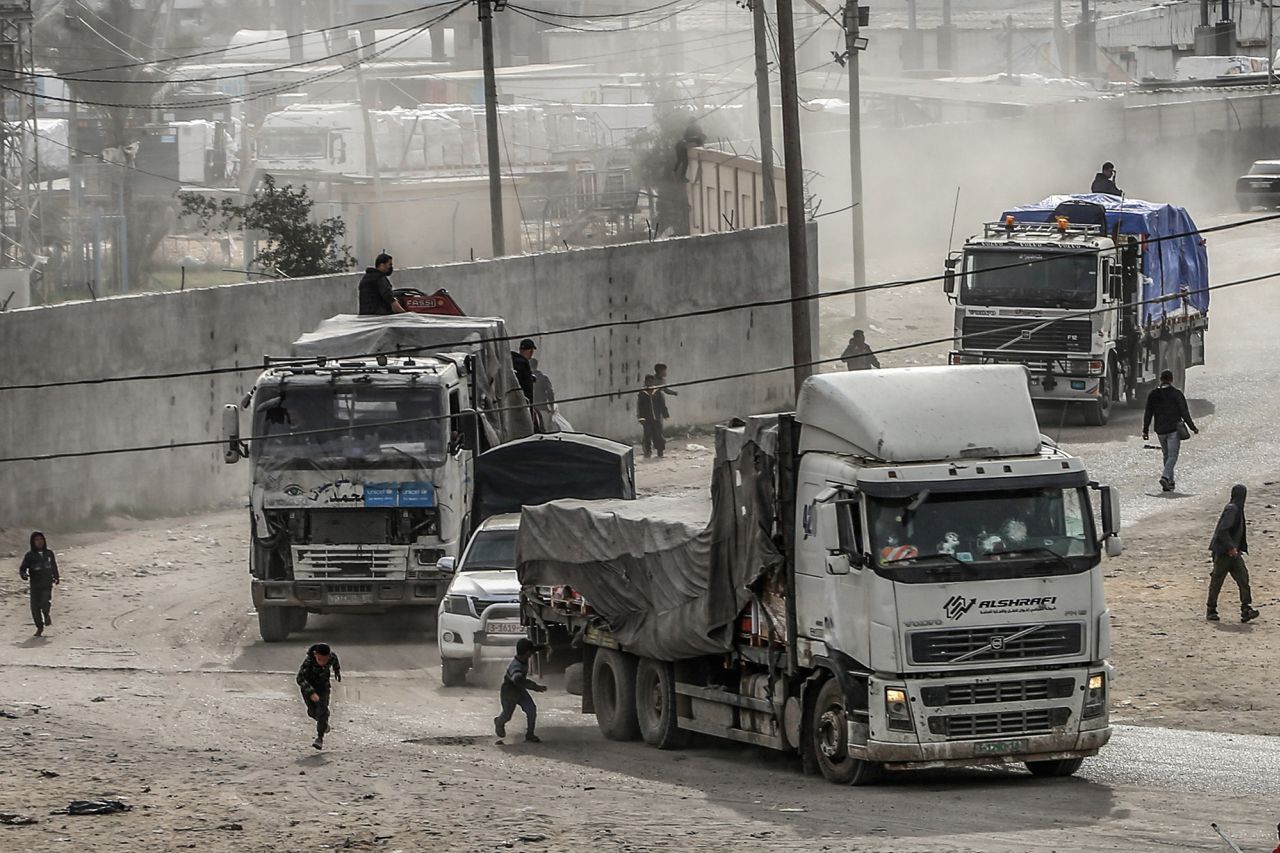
(375, 288)
(1229, 545)
(40, 568)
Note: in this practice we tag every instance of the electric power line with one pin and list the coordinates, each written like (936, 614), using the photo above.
(744, 374)
(683, 315)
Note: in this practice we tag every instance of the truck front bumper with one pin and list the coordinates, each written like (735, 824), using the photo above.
(899, 756)
(1051, 380)
(353, 595)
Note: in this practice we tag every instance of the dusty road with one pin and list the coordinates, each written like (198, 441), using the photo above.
(152, 686)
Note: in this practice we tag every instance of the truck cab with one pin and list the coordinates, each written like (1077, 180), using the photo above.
(950, 565)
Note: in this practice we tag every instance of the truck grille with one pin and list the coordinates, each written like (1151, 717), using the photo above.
(968, 726)
(1027, 690)
(1016, 334)
(338, 561)
(992, 643)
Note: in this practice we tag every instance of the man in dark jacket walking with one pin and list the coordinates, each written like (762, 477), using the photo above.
(1229, 545)
(651, 409)
(375, 288)
(1105, 181)
(313, 680)
(1167, 406)
(516, 685)
(40, 568)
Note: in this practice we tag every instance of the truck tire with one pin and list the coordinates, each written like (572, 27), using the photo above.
(573, 679)
(453, 671)
(1059, 767)
(613, 687)
(1099, 412)
(297, 619)
(656, 705)
(829, 729)
(273, 624)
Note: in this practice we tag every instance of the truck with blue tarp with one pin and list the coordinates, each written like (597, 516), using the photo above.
(1094, 294)
(361, 451)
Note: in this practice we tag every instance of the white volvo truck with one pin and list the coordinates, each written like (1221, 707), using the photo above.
(904, 573)
(360, 452)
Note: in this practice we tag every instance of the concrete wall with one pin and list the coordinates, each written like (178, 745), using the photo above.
(237, 324)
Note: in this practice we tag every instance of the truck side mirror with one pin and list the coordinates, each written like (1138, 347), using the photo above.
(949, 277)
(233, 452)
(1110, 498)
(447, 565)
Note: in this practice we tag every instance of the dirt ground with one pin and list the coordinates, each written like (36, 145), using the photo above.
(153, 687)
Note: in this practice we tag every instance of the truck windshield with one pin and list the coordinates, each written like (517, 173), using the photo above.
(491, 549)
(278, 143)
(346, 427)
(1049, 526)
(1017, 279)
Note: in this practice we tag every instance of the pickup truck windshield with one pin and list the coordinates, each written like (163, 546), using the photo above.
(1030, 279)
(491, 549)
(358, 423)
(1049, 526)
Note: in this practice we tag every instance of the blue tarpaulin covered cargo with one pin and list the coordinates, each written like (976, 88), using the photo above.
(1172, 266)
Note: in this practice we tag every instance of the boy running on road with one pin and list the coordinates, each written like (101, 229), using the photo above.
(313, 679)
(516, 685)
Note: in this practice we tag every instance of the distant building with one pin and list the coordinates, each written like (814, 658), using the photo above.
(726, 191)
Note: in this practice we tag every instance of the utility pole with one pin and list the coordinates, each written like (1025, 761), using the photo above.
(801, 331)
(1271, 44)
(491, 128)
(853, 45)
(764, 114)
(371, 160)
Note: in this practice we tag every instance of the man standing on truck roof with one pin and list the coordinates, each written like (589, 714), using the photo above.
(1167, 406)
(1105, 181)
(313, 680)
(516, 685)
(1229, 545)
(375, 288)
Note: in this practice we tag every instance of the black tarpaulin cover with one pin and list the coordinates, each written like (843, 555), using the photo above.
(543, 468)
(669, 586)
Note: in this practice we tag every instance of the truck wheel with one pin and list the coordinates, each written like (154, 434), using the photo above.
(830, 732)
(1099, 412)
(656, 705)
(297, 619)
(273, 623)
(453, 671)
(1060, 767)
(573, 679)
(613, 686)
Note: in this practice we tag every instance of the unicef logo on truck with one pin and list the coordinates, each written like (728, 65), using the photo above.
(399, 494)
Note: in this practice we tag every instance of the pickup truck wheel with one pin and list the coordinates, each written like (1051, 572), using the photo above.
(656, 705)
(297, 619)
(829, 729)
(453, 671)
(1060, 767)
(273, 623)
(613, 687)
(1245, 205)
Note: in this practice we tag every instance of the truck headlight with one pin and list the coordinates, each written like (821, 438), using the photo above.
(897, 709)
(459, 605)
(1095, 699)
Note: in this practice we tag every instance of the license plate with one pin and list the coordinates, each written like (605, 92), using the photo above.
(505, 628)
(1000, 747)
(349, 598)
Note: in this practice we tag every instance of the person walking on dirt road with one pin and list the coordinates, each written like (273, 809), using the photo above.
(1167, 406)
(313, 679)
(1229, 545)
(40, 569)
(516, 685)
